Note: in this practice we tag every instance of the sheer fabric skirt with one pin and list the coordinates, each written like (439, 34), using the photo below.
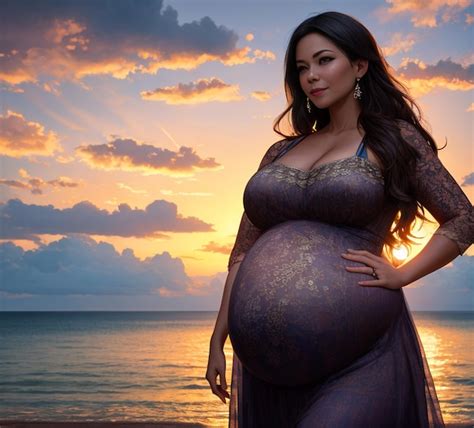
(390, 386)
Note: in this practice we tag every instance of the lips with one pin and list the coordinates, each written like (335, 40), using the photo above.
(317, 91)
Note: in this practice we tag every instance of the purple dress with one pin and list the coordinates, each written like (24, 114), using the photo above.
(312, 348)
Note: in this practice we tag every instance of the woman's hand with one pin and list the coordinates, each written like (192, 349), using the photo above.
(215, 366)
(388, 276)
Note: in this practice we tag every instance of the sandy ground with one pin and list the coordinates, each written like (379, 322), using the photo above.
(46, 424)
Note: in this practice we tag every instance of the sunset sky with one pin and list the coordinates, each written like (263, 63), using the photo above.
(128, 130)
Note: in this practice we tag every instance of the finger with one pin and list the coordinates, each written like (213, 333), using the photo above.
(372, 283)
(223, 392)
(223, 381)
(359, 258)
(360, 269)
(364, 253)
(217, 390)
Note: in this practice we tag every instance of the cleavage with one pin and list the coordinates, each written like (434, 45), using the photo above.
(317, 164)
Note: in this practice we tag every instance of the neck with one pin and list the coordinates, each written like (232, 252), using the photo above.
(343, 116)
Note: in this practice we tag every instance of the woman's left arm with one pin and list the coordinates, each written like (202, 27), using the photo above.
(437, 191)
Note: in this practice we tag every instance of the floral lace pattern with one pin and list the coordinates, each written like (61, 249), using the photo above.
(248, 233)
(437, 190)
(332, 169)
(434, 187)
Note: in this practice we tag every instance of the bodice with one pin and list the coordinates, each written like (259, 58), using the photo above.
(348, 191)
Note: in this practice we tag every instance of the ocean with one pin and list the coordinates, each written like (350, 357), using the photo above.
(151, 366)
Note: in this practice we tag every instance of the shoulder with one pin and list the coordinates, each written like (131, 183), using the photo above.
(413, 136)
(272, 152)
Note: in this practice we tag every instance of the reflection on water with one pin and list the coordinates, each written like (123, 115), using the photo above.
(151, 366)
(448, 343)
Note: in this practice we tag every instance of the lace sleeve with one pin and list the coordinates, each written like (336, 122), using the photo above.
(437, 190)
(248, 233)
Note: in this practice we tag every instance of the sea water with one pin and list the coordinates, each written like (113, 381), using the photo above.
(151, 366)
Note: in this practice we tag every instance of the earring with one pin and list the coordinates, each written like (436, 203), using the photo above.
(308, 106)
(357, 91)
(314, 126)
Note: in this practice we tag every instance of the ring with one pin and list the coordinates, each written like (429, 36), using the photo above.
(374, 274)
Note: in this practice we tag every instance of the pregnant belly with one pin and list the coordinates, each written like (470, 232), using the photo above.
(296, 315)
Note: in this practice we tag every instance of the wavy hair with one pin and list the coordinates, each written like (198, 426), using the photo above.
(385, 101)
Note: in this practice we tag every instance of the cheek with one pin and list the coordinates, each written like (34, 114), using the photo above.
(335, 73)
(302, 82)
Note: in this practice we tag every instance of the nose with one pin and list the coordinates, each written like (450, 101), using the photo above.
(312, 75)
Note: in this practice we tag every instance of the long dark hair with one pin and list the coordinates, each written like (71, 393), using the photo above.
(384, 101)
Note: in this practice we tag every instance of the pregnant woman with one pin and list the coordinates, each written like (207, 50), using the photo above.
(313, 302)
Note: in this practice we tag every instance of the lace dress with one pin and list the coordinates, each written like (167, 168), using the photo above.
(312, 348)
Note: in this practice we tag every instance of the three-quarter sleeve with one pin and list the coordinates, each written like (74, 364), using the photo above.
(437, 191)
(248, 233)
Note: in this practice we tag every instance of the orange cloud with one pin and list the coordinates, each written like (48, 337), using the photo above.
(128, 155)
(189, 61)
(471, 107)
(214, 247)
(197, 92)
(261, 95)
(249, 37)
(36, 185)
(73, 40)
(425, 12)
(399, 43)
(19, 137)
(445, 74)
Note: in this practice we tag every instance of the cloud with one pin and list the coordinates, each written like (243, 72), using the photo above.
(36, 185)
(168, 192)
(71, 39)
(423, 78)
(23, 221)
(427, 13)
(249, 37)
(129, 155)
(471, 107)
(77, 265)
(449, 288)
(399, 42)
(131, 189)
(214, 247)
(468, 180)
(261, 95)
(19, 137)
(197, 92)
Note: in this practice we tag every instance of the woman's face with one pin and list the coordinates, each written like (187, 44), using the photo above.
(321, 64)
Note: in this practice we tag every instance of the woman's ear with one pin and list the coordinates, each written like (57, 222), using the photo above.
(360, 67)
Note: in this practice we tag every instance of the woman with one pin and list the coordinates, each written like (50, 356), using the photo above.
(321, 332)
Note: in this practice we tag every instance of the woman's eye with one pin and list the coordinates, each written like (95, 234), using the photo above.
(299, 69)
(325, 57)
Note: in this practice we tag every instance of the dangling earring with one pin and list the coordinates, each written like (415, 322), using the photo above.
(357, 91)
(308, 106)
(314, 126)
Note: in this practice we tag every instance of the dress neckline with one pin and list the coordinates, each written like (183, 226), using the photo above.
(326, 164)
(317, 167)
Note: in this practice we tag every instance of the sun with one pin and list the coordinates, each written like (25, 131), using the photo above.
(400, 253)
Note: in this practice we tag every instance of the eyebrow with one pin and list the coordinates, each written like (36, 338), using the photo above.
(315, 54)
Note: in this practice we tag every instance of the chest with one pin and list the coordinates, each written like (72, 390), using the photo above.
(348, 191)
